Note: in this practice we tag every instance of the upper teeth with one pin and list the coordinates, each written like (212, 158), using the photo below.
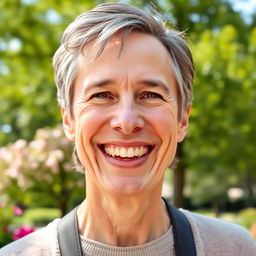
(126, 152)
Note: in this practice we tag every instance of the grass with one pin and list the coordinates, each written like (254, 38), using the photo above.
(205, 212)
(37, 217)
(228, 216)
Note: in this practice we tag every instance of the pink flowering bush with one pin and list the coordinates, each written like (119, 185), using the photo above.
(22, 231)
(17, 211)
(40, 172)
(7, 234)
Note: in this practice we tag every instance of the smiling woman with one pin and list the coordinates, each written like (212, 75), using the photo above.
(124, 88)
(125, 109)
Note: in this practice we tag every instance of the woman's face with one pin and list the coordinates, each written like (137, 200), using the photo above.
(125, 112)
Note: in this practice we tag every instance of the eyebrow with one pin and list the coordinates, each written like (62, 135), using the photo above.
(155, 84)
(148, 82)
(97, 84)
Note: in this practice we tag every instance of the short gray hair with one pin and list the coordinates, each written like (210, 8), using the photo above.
(101, 24)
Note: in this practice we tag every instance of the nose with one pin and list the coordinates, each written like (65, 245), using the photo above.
(127, 118)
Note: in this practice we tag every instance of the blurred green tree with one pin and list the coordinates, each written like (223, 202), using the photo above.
(30, 33)
(221, 142)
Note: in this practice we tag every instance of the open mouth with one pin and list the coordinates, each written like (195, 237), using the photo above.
(125, 153)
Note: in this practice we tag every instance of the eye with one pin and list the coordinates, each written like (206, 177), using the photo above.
(103, 95)
(150, 95)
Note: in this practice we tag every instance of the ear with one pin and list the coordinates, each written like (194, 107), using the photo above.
(68, 124)
(183, 125)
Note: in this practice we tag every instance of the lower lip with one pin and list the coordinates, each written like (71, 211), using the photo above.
(133, 163)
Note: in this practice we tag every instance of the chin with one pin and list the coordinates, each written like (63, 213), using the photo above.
(126, 186)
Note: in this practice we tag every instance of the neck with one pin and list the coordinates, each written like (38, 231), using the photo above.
(123, 221)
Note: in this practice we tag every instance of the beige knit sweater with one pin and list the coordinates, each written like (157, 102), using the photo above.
(212, 237)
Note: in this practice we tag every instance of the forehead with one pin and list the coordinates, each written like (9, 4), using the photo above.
(118, 47)
(139, 56)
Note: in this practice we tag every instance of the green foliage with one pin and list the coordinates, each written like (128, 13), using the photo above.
(221, 140)
(247, 217)
(6, 212)
(37, 216)
(30, 33)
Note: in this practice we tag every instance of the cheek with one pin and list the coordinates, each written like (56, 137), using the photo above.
(164, 121)
(166, 127)
(88, 123)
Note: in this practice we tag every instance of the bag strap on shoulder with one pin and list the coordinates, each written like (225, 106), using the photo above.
(68, 235)
(70, 244)
(183, 236)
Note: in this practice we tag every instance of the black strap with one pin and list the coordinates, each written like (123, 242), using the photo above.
(70, 245)
(184, 243)
(68, 235)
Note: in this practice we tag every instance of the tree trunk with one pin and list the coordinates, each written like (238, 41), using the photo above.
(216, 207)
(179, 180)
(63, 207)
(249, 185)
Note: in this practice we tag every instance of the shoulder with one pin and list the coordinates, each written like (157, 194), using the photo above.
(41, 242)
(218, 237)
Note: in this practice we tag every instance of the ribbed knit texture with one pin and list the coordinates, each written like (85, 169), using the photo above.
(161, 246)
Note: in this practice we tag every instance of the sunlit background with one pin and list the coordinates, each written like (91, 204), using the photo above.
(216, 171)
